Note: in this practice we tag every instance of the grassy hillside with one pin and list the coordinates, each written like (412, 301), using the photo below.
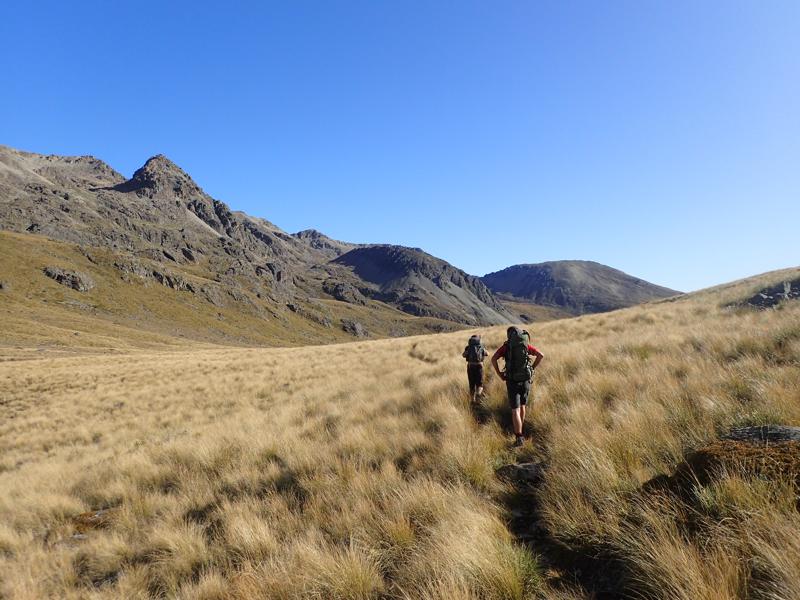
(42, 316)
(359, 471)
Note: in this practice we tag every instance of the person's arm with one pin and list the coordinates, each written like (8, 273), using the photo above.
(464, 353)
(499, 353)
(539, 356)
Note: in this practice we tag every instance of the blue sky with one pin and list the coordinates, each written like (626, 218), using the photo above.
(661, 138)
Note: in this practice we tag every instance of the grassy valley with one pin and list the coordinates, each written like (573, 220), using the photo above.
(146, 466)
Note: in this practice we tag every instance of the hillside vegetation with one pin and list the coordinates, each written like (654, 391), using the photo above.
(358, 470)
(43, 317)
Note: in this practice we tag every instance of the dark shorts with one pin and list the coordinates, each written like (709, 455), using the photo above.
(475, 376)
(518, 393)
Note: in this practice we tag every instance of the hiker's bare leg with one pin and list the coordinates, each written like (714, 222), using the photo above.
(516, 420)
(521, 417)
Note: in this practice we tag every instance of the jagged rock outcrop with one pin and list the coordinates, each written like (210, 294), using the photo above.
(71, 279)
(344, 291)
(772, 296)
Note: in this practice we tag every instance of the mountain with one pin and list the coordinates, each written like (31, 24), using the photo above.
(575, 286)
(421, 284)
(160, 227)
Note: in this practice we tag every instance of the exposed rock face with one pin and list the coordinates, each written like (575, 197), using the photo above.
(423, 285)
(343, 291)
(575, 285)
(72, 279)
(772, 296)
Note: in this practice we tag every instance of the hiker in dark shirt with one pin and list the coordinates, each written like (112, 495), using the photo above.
(475, 353)
(518, 374)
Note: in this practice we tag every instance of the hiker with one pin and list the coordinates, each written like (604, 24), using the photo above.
(518, 374)
(475, 353)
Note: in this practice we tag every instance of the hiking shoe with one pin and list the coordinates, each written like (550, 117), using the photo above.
(519, 441)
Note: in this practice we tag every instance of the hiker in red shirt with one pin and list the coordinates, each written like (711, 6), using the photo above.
(518, 374)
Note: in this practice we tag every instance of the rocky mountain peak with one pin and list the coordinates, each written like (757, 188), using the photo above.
(321, 242)
(160, 175)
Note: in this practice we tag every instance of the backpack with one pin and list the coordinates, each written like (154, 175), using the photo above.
(474, 350)
(518, 362)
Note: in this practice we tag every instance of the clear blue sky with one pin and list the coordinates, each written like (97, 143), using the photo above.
(661, 138)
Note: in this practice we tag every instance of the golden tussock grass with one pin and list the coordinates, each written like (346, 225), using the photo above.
(358, 471)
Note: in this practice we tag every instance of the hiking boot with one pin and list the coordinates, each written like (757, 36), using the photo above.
(519, 441)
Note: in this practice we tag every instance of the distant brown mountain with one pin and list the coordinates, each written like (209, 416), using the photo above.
(576, 286)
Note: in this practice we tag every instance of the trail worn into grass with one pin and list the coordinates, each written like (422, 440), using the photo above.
(592, 570)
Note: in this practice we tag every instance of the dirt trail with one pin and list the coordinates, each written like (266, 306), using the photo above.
(588, 569)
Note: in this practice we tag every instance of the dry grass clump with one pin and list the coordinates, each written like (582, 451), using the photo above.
(359, 470)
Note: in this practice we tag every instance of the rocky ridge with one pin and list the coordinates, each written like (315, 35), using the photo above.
(166, 229)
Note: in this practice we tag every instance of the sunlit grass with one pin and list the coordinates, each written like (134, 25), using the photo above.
(358, 470)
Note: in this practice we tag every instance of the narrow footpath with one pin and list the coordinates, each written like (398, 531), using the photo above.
(588, 569)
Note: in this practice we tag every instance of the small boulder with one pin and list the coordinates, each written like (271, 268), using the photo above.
(764, 434)
(354, 328)
(188, 254)
(4, 286)
(72, 279)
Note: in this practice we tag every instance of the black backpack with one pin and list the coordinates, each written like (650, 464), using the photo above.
(518, 362)
(475, 350)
